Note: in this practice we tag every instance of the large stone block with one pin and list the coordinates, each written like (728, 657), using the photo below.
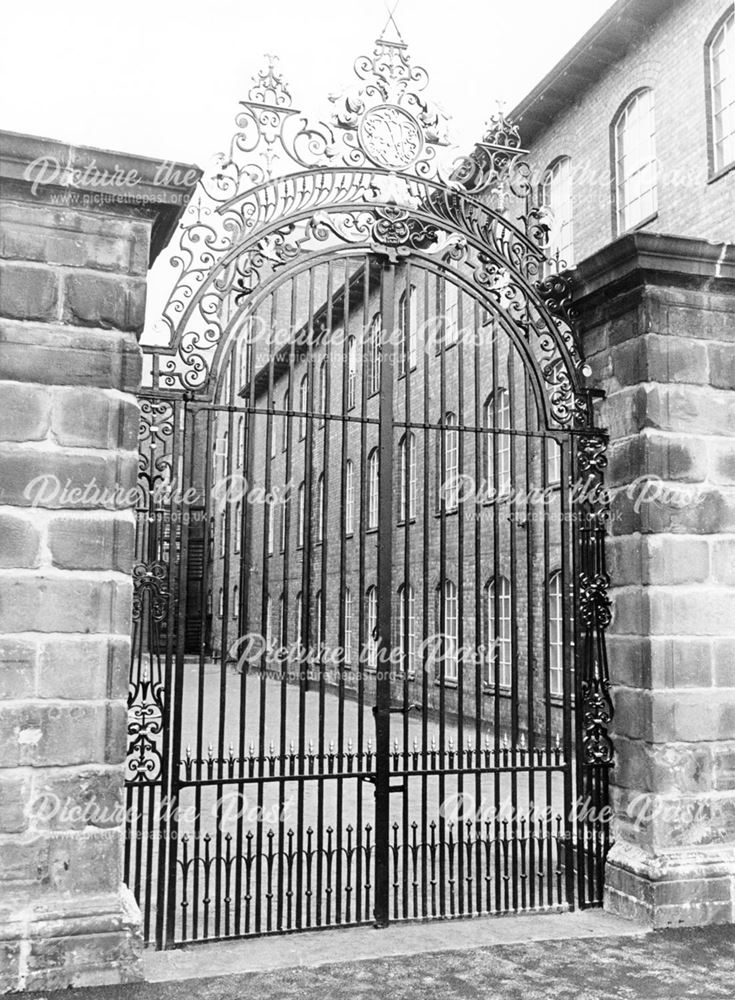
(692, 409)
(25, 410)
(36, 734)
(65, 603)
(83, 667)
(88, 418)
(14, 796)
(722, 365)
(20, 542)
(59, 479)
(93, 542)
(18, 659)
(91, 299)
(655, 457)
(652, 506)
(60, 355)
(78, 798)
(72, 238)
(689, 886)
(28, 293)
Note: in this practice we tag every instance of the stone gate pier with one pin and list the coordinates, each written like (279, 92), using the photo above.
(658, 315)
(79, 229)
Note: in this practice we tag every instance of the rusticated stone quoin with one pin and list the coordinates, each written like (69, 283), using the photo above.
(72, 298)
(658, 317)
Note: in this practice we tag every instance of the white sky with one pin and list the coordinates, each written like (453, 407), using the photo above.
(163, 79)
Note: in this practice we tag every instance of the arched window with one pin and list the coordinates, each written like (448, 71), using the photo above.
(372, 626)
(721, 73)
(210, 541)
(301, 517)
(448, 490)
(268, 623)
(347, 638)
(282, 619)
(209, 602)
(284, 525)
(349, 498)
(553, 462)
(238, 525)
(284, 425)
(270, 515)
(235, 602)
(498, 445)
(556, 195)
(240, 441)
(451, 313)
(556, 634)
(374, 354)
(324, 388)
(244, 357)
(299, 617)
(407, 459)
(407, 331)
(407, 628)
(448, 622)
(499, 636)
(221, 603)
(351, 372)
(373, 489)
(225, 450)
(320, 509)
(634, 131)
(318, 609)
(222, 533)
(303, 399)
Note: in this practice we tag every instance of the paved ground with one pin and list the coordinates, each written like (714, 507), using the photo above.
(668, 965)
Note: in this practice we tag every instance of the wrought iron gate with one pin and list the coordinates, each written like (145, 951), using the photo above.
(368, 679)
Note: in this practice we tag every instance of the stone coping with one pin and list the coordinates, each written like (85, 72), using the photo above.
(120, 183)
(646, 258)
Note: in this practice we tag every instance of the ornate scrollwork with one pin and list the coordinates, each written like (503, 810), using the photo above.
(370, 177)
(155, 435)
(146, 694)
(596, 718)
(594, 604)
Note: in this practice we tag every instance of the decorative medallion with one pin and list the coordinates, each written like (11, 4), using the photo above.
(391, 137)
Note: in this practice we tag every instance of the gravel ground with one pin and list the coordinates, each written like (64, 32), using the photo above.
(669, 965)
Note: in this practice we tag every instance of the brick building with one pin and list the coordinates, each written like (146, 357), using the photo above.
(326, 470)
(634, 130)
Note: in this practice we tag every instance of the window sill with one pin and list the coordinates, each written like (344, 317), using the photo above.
(639, 225)
(502, 691)
(402, 522)
(722, 172)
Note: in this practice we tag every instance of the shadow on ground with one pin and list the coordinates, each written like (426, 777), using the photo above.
(667, 965)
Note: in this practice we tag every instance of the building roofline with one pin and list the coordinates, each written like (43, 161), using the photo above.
(606, 41)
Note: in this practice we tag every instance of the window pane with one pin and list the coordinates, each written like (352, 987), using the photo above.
(722, 80)
(557, 197)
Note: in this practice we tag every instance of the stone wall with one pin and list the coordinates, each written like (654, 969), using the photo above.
(74, 253)
(658, 315)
